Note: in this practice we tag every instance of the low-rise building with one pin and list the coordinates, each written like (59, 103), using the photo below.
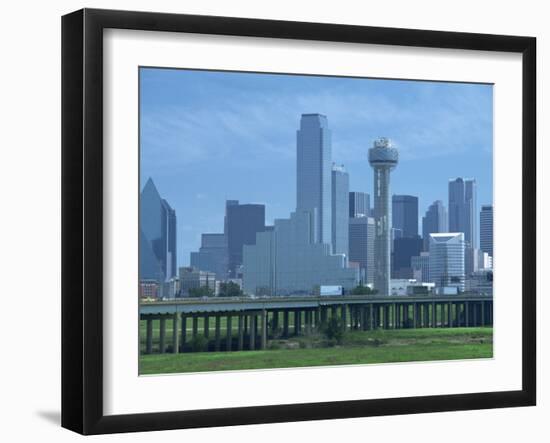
(191, 278)
(480, 282)
(149, 289)
(410, 286)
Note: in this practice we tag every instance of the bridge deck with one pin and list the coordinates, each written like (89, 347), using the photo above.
(227, 304)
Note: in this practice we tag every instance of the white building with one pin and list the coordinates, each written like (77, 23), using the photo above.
(361, 246)
(409, 286)
(447, 264)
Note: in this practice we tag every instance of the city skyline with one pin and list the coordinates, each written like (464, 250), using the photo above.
(180, 182)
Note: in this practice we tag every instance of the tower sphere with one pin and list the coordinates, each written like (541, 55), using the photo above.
(383, 153)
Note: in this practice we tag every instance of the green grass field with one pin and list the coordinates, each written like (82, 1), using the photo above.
(358, 347)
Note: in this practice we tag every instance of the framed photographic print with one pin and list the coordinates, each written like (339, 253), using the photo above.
(269, 221)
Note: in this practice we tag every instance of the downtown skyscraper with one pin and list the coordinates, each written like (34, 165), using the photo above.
(361, 246)
(486, 229)
(314, 174)
(405, 215)
(447, 265)
(434, 221)
(462, 209)
(359, 204)
(157, 236)
(340, 206)
(243, 222)
(308, 249)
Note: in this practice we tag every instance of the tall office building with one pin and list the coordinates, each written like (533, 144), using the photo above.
(472, 260)
(340, 210)
(227, 204)
(447, 268)
(157, 222)
(243, 221)
(286, 260)
(361, 246)
(359, 204)
(383, 157)
(405, 214)
(434, 221)
(421, 267)
(150, 267)
(404, 249)
(212, 255)
(462, 209)
(486, 229)
(314, 173)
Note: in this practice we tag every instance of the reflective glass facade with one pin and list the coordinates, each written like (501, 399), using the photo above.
(361, 246)
(486, 229)
(447, 267)
(434, 221)
(405, 214)
(286, 261)
(463, 209)
(340, 207)
(157, 221)
(313, 173)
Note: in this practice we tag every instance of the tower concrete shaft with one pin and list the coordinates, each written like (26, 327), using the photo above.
(383, 157)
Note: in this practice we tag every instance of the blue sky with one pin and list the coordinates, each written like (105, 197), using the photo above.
(211, 136)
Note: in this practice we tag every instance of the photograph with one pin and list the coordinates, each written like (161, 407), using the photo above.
(299, 220)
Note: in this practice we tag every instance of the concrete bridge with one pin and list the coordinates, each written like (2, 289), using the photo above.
(248, 323)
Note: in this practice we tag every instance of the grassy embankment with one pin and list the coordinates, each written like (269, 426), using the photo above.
(357, 347)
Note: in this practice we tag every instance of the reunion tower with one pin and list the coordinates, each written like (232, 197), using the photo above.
(383, 157)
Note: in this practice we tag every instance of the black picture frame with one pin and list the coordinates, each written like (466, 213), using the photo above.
(82, 215)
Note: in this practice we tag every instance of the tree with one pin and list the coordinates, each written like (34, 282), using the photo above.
(333, 329)
(230, 289)
(363, 290)
(202, 291)
(199, 343)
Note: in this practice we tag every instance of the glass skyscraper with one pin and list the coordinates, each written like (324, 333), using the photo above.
(404, 248)
(212, 255)
(486, 229)
(359, 204)
(447, 267)
(286, 261)
(463, 209)
(405, 214)
(421, 267)
(314, 173)
(434, 221)
(340, 206)
(243, 221)
(157, 224)
(361, 246)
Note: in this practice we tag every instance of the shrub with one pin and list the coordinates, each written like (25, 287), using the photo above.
(199, 343)
(333, 329)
